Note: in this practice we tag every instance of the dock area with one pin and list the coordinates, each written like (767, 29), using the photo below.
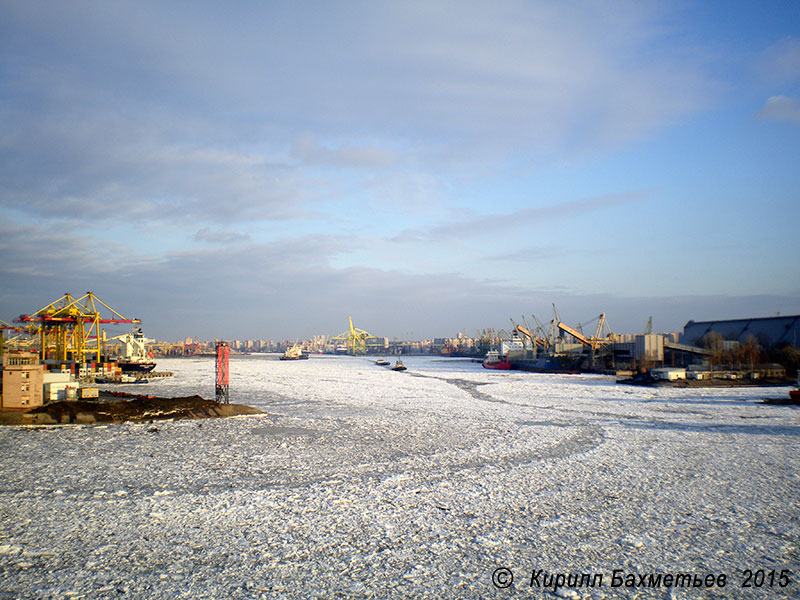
(142, 377)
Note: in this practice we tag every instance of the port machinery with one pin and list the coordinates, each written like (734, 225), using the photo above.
(602, 336)
(69, 328)
(537, 338)
(356, 340)
(554, 343)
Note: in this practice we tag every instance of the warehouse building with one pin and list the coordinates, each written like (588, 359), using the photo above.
(769, 331)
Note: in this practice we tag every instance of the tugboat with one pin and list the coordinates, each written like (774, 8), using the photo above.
(399, 366)
(792, 400)
(795, 394)
(137, 359)
(294, 353)
(493, 360)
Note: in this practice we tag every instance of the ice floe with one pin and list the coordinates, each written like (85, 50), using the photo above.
(362, 482)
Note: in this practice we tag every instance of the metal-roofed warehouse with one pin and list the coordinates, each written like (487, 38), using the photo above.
(769, 331)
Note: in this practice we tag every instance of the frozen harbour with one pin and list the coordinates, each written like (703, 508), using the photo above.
(367, 483)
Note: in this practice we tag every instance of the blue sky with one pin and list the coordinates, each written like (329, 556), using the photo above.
(264, 170)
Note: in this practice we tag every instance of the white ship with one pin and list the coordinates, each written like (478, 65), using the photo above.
(137, 359)
(294, 353)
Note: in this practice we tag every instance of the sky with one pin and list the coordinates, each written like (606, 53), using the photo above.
(263, 170)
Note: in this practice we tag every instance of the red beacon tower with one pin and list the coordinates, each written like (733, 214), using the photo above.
(222, 374)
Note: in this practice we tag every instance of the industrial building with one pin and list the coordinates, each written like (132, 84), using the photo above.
(22, 381)
(27, 383)
(770, 332)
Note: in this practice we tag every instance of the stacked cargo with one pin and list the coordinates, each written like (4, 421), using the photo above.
(59, 385)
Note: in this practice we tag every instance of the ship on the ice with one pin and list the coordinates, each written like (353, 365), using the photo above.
(494, 360)
(534, 349)
(294, 352)
(136, 359)
(525, 361)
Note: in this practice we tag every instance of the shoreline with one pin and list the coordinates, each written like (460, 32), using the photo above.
(708, 383)
(119, 407)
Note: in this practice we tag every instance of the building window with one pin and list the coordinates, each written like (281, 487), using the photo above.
(17, 361)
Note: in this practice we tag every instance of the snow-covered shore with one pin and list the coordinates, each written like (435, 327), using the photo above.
(366, 483)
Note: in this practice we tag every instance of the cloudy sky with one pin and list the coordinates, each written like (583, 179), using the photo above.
(265, 169)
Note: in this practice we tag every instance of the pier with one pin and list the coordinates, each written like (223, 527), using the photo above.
(124, 377)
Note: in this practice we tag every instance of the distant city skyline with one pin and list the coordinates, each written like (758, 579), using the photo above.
(264, 171)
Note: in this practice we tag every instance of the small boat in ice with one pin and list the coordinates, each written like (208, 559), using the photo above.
(793, 399)
(795, 393)
(382, 362)
(399, 366)
(295, 352)
(493, 360)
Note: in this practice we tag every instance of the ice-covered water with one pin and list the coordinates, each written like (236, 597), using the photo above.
(367, 483)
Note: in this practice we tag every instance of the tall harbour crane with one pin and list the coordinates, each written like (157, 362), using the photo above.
(649, 328)
(597, 340)
(526, 331)
(356, 340)
(547, 336)
(69, 328)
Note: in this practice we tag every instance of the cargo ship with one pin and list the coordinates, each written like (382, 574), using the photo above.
(513, 354)
(294, 353)
(526, 360)
(137, 359)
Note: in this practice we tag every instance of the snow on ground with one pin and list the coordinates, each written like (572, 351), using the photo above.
(367, 483)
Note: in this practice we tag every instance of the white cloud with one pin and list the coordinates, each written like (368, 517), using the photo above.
(151, 113)
(524, 218)
(221, 236)
(111, 168)
(158, 121)
(258, 291)
(508, 72)
(780, 63)
(781, 108)
(307, 149)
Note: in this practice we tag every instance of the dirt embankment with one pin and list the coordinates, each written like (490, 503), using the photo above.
(118, 409)
(706, 383)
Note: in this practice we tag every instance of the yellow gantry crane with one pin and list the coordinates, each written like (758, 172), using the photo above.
(69, 328)
(356, 340)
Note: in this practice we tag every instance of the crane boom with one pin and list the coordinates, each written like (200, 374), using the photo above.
(591, 342)
(531, 336)
(574, 333)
